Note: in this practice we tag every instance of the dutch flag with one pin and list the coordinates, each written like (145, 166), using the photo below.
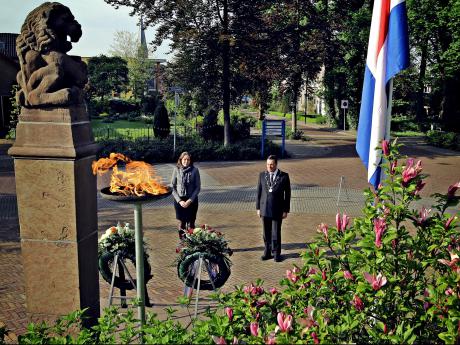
(387, 55)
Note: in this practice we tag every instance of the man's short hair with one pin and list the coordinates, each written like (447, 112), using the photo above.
(273, 158)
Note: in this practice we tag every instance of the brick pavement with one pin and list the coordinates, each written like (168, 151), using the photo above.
(227, 204)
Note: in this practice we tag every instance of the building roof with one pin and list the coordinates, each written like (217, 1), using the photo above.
(8, 45)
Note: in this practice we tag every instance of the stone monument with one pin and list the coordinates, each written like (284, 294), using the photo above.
(53, 151)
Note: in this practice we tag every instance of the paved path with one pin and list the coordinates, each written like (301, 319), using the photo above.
(227, 203)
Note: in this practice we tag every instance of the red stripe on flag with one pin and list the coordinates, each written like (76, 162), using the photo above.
(383, 29)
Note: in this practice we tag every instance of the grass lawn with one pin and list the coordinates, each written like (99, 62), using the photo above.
(310, 119)
(121, 128)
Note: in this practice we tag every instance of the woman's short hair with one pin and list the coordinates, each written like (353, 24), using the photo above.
(182, 155)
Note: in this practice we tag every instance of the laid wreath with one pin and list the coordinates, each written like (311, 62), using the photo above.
(119, 240)
(213, 248)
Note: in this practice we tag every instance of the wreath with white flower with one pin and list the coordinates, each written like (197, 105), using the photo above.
(212, 246)
(119, 240)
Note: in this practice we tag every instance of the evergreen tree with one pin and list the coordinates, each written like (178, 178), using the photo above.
(161, 126)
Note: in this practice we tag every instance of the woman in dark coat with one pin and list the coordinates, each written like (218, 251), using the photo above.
(186, 185)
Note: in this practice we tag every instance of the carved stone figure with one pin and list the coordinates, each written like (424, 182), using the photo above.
(48, 76)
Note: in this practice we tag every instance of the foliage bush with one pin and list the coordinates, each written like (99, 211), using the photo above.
(150, 103)
(121, 106)
(210, 129)
(403, 124)
(156, 150)
(161, 126)
(448, 140)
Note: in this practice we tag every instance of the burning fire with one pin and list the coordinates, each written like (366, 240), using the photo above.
(138, 179)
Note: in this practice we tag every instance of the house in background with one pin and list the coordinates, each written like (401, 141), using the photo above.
(9, 67)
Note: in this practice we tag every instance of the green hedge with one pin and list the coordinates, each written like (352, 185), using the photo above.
(448, 140)
(160, 151)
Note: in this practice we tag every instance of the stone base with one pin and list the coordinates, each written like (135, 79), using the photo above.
(53, 132)
(57, 207)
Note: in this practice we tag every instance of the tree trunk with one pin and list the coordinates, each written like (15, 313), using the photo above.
(226, 75)
(420, 110)
(294, 112)
(261, 111)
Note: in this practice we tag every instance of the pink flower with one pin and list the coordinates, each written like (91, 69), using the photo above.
(273, 291)
(385, 147)
(308, 322)
(357, 303)
(235, 340)
(219, 340)
(324, 229)
(452, 263)
(448, 222)
(423, 215)
(411, 171)
(338, 222)
(254, 326)
(379, 228)
(393, 166)
(376, 282)
(291, 276)
(341, 221)
(449, 292)
(271, 339)
(348, 275)
(452, 189)
(253, 290)
(261, 303)
(315, 337)
(284, 322)
(323, 275)
(229, 312)
(311, 271)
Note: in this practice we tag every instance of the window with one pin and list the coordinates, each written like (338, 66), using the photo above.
(2, 46)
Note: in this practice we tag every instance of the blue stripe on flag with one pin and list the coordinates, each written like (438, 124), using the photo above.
(398, 41)
(365, 117)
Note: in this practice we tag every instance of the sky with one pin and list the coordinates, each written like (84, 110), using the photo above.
(99, 23)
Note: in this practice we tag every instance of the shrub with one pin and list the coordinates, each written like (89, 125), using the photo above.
(210, 130)
(121, 106)
(392, 277)
(150, 104)
(448, 140)
(297, 135)
(161, 126)
(156, 151)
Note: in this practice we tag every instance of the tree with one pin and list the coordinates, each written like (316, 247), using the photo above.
(188, 23)
(125, 45)
(161, 126)
(107, 74)
(140, 69)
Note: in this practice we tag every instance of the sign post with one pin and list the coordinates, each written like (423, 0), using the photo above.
(273, 128)
(177, 90)
(344, 106)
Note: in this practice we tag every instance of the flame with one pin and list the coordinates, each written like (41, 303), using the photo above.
(138, 179)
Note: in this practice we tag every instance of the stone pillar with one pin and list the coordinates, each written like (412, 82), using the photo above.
(57, 205)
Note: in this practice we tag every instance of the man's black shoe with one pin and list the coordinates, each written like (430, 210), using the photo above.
(266, 257)
(277, 258)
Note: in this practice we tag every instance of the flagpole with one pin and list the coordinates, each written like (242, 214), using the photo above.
(390, 103)
(388, 123)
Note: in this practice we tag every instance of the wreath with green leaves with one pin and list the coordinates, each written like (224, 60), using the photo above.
(212, 246)
(119, 240)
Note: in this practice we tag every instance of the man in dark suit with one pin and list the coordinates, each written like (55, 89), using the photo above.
(273, 204)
